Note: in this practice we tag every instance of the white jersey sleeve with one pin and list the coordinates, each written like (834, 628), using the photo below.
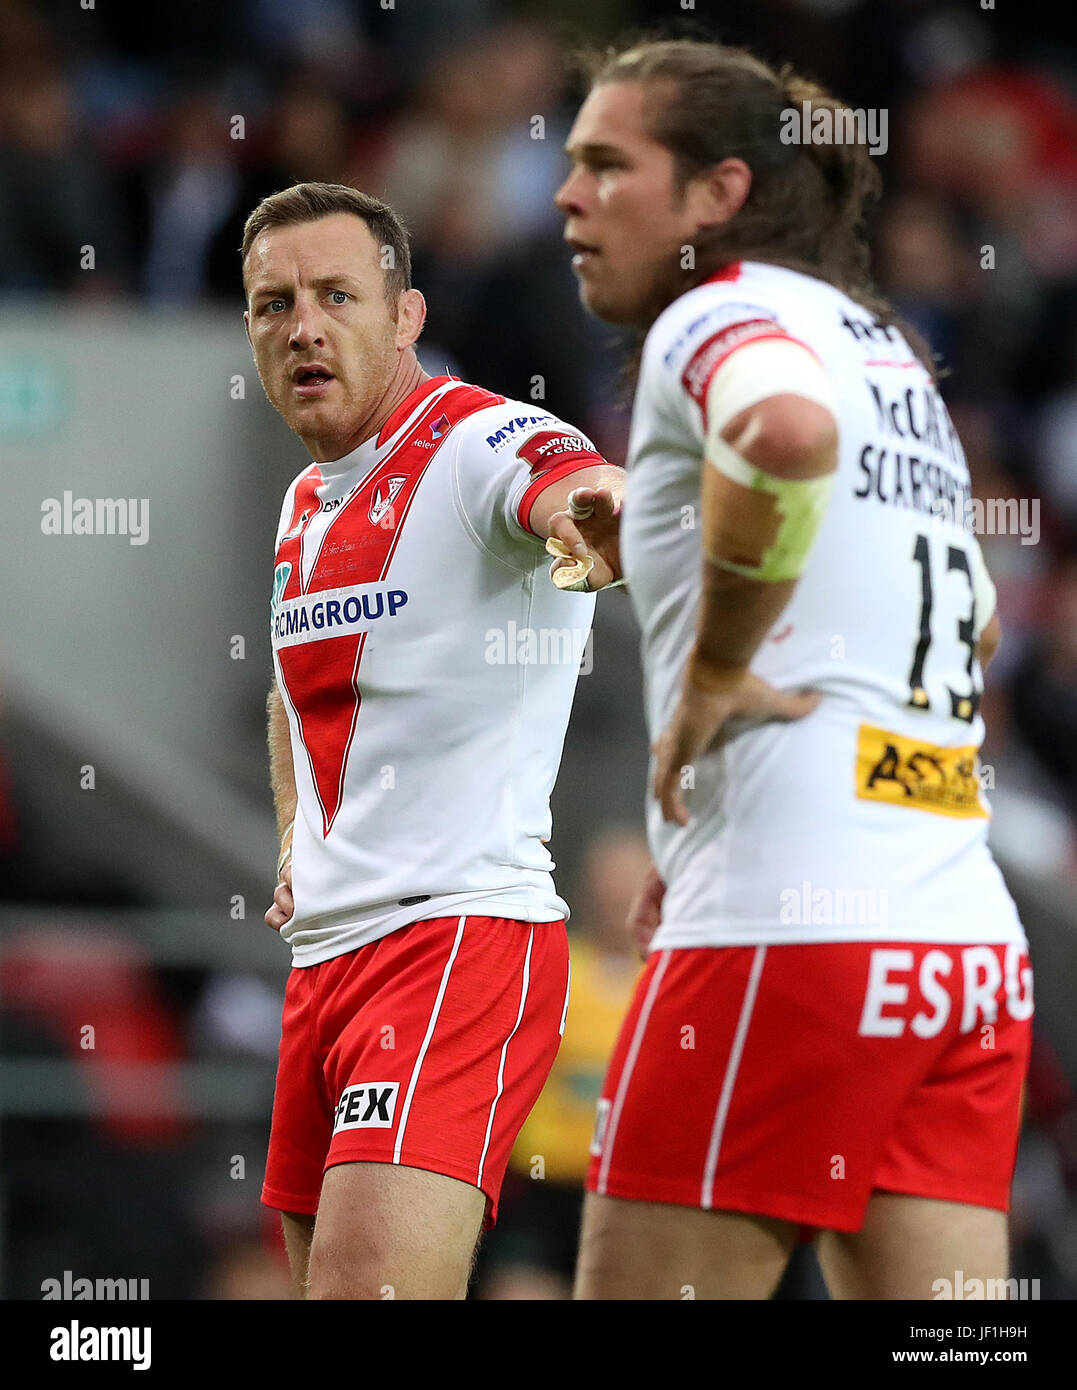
(503, 461)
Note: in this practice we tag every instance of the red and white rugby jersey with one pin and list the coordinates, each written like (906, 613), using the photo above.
(866, 819)
(428, 666)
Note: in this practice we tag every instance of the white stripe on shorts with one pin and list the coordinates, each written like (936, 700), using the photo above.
(426, 1041)
(732, 1066)
(505, 1047)
(568, 991)
(626, 1074)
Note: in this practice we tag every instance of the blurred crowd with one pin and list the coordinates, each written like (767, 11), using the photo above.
(135, 139)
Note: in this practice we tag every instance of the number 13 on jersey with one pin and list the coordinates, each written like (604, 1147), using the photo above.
(943, 634)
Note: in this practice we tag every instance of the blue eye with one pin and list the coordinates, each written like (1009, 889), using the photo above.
(337, 296)
(269, 307)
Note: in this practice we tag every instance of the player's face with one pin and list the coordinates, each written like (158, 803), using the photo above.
(625, 218)
(323, 334)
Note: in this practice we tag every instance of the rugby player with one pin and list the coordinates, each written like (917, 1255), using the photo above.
(424, 671)
(831, 1032)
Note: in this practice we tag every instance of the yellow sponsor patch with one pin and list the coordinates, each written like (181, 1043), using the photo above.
(909, 772)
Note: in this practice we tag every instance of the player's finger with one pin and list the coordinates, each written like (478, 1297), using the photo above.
(673, 807)
(640, 936)
(581, 503)
(603, 503)
(667, 776)
(564, 529)
(282, 896)
(793, 704)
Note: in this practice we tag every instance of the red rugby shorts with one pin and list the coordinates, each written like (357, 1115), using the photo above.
(427, 1048)
(795, 1080)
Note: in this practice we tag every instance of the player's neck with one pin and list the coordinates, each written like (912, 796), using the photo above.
(408, 377)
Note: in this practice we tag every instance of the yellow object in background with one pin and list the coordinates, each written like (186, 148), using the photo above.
(559, 1128)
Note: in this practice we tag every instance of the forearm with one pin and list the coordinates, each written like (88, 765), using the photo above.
(735, 615)
(736, 610)
(281, 774)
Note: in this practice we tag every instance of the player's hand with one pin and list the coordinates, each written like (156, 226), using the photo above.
(646, 911)
(708, 701)
(591, 525)
(283, 906)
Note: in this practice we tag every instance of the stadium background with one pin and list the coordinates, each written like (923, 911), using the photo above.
(140, 988)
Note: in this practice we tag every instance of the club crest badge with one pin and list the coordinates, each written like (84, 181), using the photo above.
(384, 495)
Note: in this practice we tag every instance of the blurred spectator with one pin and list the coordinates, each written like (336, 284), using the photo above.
(928, 273)
(1044, 689)
(1057, 438)
(475, 167)
(58, 226)
(183, 198)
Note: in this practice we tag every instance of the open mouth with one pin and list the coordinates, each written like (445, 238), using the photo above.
(312, 381)
(584, 253)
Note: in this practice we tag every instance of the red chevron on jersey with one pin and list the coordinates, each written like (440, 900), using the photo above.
(320, 641)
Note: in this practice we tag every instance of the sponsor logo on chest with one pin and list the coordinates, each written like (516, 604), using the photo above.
(334, 613)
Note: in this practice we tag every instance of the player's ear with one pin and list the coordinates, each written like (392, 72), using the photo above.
(720, 193)
(247, 325)
(410, 317)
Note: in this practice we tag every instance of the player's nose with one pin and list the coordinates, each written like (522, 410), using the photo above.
(306, 331)
(307, 327)
(567, 197)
